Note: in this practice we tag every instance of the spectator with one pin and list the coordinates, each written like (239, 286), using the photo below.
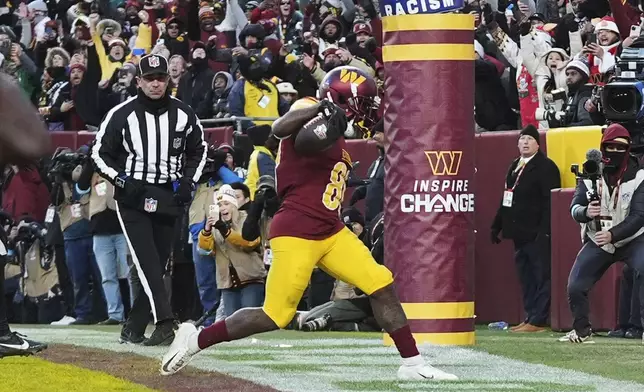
(287, 92)
(254, 95)
(176, 69)
(196, 83)
(221, 86)
(240, 270)
(262, 159)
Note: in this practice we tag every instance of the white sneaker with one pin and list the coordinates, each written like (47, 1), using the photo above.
(573, 337)
(415, 368)
(66, 320)
(183, 348)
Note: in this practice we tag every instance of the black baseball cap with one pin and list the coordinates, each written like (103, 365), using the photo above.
(153, 64)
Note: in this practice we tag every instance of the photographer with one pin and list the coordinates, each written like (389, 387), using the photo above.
(610, 209)
(574, 113)
(109, 243)
(39, 281)
(73, 210)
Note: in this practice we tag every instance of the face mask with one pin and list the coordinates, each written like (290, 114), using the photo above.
(199, 61)
(615, 160)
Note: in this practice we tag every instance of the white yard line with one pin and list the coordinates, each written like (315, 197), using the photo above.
(360, 360)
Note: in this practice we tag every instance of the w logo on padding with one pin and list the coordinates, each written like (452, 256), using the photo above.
(444, 163)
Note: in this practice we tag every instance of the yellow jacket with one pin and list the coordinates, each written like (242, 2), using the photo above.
(260, 163)
(233, 251)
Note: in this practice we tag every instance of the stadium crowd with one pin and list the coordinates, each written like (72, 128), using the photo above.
(537, 63)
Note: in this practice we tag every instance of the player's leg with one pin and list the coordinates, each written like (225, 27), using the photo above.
(293, 262)
(350, 261)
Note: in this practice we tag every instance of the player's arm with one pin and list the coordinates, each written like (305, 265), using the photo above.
(23, 137)
(235, 238)
(293, 121)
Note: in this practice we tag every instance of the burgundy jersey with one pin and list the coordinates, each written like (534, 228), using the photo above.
(311, 188)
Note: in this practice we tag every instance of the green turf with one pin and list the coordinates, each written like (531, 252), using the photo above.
(619, 359)
(479, 386)
(292, 367)
(35, 374)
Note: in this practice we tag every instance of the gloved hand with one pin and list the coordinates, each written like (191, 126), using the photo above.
(524, 28)
(494, 237)
(219, 158)
(571, 22)
(183, 192)
(260, 197)
(335, 118)
(223, 228)
(130, 189)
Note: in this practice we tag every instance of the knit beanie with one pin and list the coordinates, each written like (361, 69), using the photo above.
(530, 130)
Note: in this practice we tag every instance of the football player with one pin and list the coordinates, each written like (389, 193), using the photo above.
(356, 92)
(23, 139)
(306, 232)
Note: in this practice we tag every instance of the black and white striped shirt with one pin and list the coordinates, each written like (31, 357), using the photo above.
(157, 148)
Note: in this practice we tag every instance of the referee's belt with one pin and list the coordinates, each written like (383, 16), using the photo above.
(159, 200)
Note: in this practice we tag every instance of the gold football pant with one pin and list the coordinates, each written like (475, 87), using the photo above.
(342, 255)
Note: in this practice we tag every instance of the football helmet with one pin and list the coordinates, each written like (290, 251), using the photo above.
(356, 92)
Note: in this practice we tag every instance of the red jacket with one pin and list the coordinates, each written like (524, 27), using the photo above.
(26, 194)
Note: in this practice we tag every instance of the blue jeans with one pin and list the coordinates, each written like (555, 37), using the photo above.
(206, 275)
(82, 268)
(111, 256)
(250, 296)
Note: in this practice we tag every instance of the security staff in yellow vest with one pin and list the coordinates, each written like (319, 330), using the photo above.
(109, 243)
(203, 205)
(73, 209)
(254, 95)
(262, 159)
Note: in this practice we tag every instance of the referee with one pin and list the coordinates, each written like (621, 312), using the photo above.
(151, 147)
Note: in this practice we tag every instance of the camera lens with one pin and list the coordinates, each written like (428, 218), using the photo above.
(624, 100)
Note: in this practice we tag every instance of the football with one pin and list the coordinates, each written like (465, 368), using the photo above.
(313, 137)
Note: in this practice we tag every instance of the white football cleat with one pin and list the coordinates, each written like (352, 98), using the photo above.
(415, 368)
(574, 337)
(183, 348)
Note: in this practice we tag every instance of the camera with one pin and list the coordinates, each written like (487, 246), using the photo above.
(555, 118)
(622, 99)
(63, 164)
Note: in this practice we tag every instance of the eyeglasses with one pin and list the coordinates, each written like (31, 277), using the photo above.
(173, 27)
(285, 3)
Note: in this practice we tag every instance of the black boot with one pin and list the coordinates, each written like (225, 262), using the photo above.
(163, 334)
(16, 344)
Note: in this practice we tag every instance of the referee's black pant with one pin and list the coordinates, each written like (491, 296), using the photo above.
(149, 238)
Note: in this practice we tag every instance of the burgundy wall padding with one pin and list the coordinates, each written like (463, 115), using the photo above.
(566, 242)
(63, 139)
(498, 294)
(220, 135)
(429, 108)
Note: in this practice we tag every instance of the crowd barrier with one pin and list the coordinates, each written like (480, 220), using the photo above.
(498, 295)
